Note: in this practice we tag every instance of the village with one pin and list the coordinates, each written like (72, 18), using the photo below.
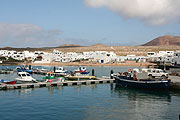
(99, 57)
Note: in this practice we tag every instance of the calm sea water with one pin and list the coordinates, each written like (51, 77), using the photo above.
(88, 102)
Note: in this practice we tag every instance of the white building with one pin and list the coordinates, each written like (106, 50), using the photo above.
(176, 58)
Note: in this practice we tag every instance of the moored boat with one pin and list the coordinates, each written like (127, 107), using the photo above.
(24, 77)
(61, 71)
(81, 77)
(23, 69)
(9, 82)
(60, 79)
(80, 73)
(141, 80)
(51, 77)
(144, 84)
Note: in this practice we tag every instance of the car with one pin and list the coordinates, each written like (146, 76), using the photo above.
(153, 72)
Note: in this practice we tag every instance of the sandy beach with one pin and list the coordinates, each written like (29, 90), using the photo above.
(133, 64)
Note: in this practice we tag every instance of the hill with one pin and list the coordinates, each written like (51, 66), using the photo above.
(164, 40)
(98, 45)
(69, 45)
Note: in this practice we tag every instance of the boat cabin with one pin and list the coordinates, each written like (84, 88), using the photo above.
(23, 74)
(60, 70)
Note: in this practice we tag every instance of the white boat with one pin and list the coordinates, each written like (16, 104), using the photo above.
(24, 77)
(80, 73)
(61, 71)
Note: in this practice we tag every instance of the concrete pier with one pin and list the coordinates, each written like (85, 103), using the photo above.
(175, 82)
(65, 83)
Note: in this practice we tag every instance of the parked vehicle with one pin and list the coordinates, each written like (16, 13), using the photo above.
(153, 73)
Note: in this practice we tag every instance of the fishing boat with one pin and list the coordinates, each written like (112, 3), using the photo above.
(24, 77)
(80, 73)
(6, 71)
(141, 80)
(51, 77)
(60, 79)
(61, 71)
(23, 69)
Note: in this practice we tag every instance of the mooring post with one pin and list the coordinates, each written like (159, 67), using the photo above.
(54, 69)
(92, 72)
(29, 67)
(111, 74)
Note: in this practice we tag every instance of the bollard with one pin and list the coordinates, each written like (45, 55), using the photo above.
(54, 69)
(92, 72)
(111, 74)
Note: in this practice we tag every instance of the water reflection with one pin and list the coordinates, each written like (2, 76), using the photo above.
(52, 89)
(139, 94)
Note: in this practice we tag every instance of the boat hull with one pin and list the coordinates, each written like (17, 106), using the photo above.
(81, 77)
(150, 84)
(24, 80)
(11, 82)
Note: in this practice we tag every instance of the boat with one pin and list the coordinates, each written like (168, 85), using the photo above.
(81, 77)
(8, 82)
(42, 70)
(24, 77)
(61, 71)
(51, 77)
(60, 79)
(23, 69)
(6, 71)
(80, 73)
(141, 80)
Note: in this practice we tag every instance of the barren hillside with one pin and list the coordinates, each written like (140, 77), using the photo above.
(164, 40)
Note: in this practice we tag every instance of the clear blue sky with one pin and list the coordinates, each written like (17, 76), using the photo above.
(37, 23)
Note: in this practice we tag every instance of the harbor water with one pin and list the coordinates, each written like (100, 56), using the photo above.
(87, 102)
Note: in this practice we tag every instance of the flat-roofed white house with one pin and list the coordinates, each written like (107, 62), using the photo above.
(176, 58)
(165, 53)
(151, 54)
(4, 53)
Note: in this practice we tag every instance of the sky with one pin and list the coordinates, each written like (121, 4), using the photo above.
(51, 23)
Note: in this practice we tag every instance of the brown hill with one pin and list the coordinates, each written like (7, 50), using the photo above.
(164, 40)
(98, 45)
(69, 46)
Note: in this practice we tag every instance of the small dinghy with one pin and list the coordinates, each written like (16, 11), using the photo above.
(8, 82)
